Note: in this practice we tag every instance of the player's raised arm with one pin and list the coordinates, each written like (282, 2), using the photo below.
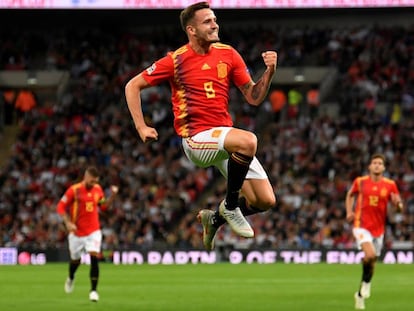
(133, 97)
(255, 92)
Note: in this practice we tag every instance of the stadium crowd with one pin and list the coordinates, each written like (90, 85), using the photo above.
(311, 161)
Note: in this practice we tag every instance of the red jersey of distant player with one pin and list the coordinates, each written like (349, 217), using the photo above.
(199, 85)
(83, 207)
(371, 203)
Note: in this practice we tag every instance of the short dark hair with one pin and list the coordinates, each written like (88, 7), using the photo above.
(378, 156)
(188, 13)
(93, 171)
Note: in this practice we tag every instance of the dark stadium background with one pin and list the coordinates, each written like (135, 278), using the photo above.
(40, 18)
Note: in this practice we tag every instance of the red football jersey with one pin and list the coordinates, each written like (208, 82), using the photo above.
(199, 85)
(82, 205)
(371, 203)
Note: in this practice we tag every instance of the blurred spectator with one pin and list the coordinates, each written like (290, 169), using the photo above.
(9, 97)
(294, 101)
(278, 100)
(25, 101)
(313, 101)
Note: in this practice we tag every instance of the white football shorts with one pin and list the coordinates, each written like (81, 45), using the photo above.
(363, 235)
(207, 149)
(79, 245)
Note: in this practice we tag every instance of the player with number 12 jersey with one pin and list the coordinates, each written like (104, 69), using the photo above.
(371, 203)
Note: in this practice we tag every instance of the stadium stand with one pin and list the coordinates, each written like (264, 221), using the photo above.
(311, 160)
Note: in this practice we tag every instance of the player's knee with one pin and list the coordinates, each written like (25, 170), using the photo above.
(370, 258)
(266, 203)
(252, 141)
(249, 143)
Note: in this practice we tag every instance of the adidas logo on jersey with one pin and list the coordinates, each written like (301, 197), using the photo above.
(205, 67)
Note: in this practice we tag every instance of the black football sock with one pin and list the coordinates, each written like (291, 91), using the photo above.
(94, 273)
(237, 169)
(367, 271)
(73, 266)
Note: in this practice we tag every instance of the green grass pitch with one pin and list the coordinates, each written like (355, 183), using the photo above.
(201, 287)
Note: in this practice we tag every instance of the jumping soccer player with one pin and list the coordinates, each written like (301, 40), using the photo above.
(200, 74)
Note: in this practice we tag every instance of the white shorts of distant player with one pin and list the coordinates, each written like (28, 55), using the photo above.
(363, 235)
(79, 245)
(207, 149)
